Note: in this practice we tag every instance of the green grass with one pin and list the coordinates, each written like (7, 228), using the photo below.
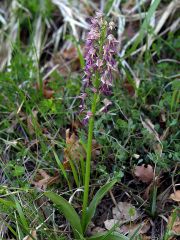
(119, 133)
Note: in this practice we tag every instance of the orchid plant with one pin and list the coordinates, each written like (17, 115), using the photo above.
(100, 50)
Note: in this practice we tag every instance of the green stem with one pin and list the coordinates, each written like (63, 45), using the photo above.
(88, 159)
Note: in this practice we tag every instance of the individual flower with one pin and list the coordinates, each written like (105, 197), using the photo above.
(82, 105)
(87, 117)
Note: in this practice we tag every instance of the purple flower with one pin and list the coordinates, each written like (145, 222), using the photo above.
(86, 118)
(82, 105)
(100, 49)
(106, 89)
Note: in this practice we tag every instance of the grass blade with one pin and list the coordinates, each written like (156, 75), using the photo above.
(60, 165)
(7, 203)
(144, 26)
(74, 171)
(21, 214)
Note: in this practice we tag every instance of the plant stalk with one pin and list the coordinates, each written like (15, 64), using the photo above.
(88, 159)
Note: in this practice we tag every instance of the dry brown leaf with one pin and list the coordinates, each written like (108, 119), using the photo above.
(144, 237)
(144, 173)
(75, 125)
(109, 223)
(59, 61)
(74, 151)
(130, 89)
(67, 60)
(125, 212)
(34, 235)
(142, 227)
(44, 180)
(96, 230)
(48, 93)
(70, 53)
(175, 225)
(175, 196)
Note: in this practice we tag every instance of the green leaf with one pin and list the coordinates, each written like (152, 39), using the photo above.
(105, 236)
(74, 171)
(18, 171)
(96, 200)
(108, 6)
(7, 203)
(145, 25)
(21, 213)
(68, 211)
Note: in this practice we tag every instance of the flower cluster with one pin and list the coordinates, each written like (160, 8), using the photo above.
(100, 48)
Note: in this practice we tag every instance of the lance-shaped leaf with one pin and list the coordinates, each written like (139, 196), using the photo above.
(68, 211)
(96, 200)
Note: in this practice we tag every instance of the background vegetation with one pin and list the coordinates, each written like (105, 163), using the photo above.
(41, 63)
